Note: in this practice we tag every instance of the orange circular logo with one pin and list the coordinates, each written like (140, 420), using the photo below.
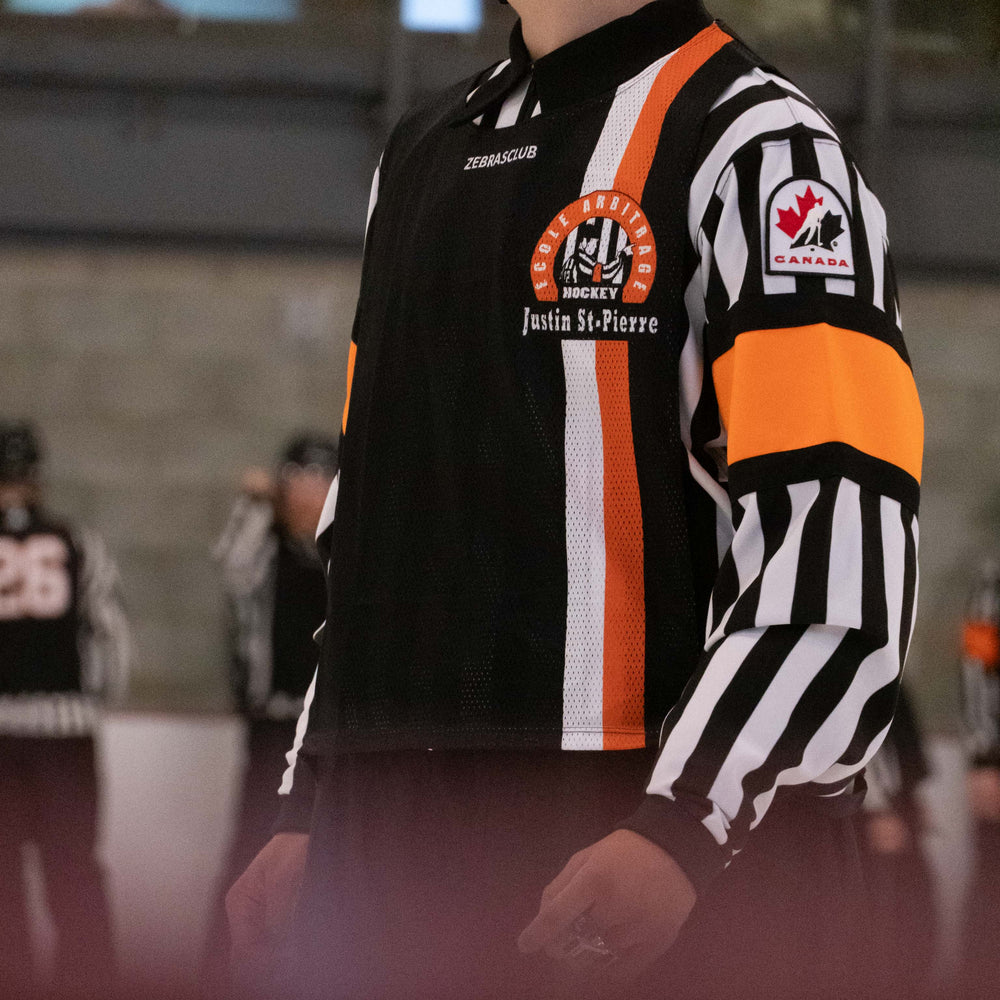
(601, 241)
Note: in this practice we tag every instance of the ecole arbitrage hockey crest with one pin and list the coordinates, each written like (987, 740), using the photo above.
(808, 231)
(597, 255)
(600, 247)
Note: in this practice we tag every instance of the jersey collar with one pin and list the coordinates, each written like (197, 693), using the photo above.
(595, 63)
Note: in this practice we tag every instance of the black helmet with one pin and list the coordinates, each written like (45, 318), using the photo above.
(311, 449)
(20, 452)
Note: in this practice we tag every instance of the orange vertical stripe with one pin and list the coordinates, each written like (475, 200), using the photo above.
(638, 158)
(624, 583)
(624, 587)
(350, 382)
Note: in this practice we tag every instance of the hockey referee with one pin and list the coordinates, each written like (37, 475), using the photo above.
(622, 553)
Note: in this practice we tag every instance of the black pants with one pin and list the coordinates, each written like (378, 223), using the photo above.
(48, 796)
(424, 867)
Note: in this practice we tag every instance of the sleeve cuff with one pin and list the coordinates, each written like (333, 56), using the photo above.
(296, 809)
(683, 837)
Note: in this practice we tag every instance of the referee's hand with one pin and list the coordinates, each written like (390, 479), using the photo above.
(260, 904)
(634, 893)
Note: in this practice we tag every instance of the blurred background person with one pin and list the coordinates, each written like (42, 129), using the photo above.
(64, 652)
(980, 669)
(904, 918)
(276, 599)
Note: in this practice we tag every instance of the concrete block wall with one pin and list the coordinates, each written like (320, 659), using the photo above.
(155, 376)
(953, 334)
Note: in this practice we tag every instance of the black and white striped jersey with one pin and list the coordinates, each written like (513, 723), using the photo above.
(274, 601)
(980, 668)
(64, 639)
(680, 398)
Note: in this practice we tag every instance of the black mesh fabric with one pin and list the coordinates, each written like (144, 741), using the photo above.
(448, 584)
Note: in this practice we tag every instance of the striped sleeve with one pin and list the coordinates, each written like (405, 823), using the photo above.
(803, 424)
(105, 641)
(980, 671)
(297, 784)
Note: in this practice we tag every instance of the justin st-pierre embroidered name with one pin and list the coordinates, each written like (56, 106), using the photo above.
(499, 159)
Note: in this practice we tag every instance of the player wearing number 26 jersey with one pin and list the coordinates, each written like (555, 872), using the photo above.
(63, 650)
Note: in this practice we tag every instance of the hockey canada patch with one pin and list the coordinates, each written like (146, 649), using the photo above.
(808, 231)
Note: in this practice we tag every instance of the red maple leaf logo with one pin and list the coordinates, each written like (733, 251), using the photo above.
(790, 221)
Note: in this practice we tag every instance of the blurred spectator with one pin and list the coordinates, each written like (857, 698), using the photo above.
(904, 918)
(63, 651)
(980, 668)
(276, 599)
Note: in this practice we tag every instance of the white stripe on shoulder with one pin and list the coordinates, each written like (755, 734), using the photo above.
(760, 120)
(730, 248)
(775, 167)
(875, 231)
(834, 170)
(496, 72)
(512, 105)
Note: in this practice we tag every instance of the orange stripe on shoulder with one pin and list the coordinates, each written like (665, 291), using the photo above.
(351, 357)
(641, 148)
(782, 390)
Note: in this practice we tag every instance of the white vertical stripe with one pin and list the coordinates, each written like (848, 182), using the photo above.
(748, 554)
(730, 246)
(692, 375)
(833, 170)
(288, 778)
(757, 78)
(618, 129)
(512, 105)
(329, 506)
(777, 587)
(583, 680)
(915, 528)
(874, 218)
(751, 79)
(373, 195)
(844, 581)
(775, 167)
(683, 738)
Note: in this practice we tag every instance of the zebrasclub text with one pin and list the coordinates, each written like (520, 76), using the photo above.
(498, 159)
(588, 322)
